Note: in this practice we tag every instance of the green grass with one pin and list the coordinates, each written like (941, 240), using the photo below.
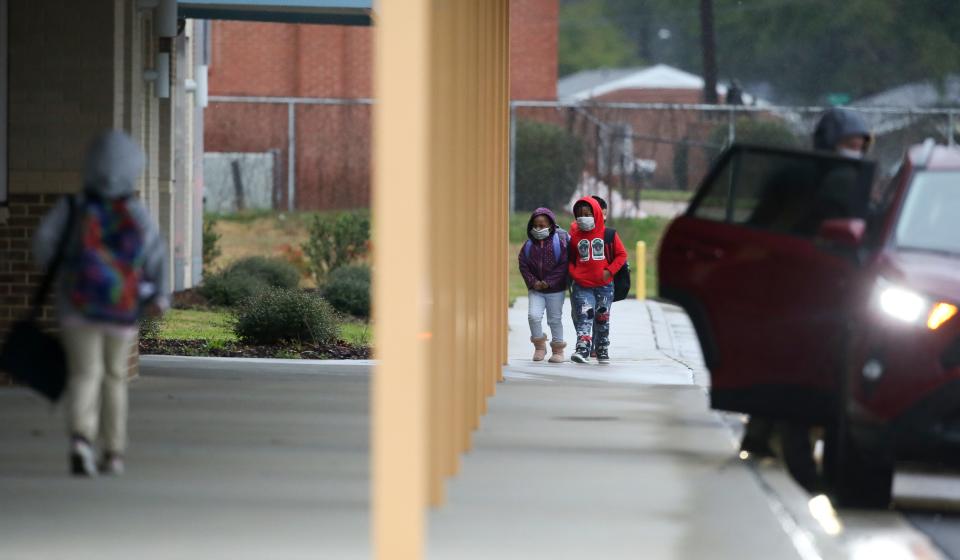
(631, 230)
(215, 326)
(358, 334)
(194, 324)
(665, 195)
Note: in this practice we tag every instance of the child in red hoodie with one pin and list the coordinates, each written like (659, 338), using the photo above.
(592, 270)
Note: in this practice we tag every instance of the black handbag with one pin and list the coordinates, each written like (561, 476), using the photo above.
(30, 356)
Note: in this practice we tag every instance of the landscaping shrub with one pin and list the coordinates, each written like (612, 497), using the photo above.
(348, 290)
(277, 273)
(151, 326)
(274, 316)
(549, 161)
(211, 241)
(337, 239)
(246, 277)
(227, 289)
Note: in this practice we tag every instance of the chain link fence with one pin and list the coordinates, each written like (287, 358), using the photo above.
(624, 150)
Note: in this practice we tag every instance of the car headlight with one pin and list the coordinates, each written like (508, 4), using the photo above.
(912, 307)
(941, 313)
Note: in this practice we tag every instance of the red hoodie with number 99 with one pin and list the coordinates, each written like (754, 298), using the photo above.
(589, 253)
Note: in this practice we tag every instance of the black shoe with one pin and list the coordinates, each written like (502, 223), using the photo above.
(582, 353)
(111, 463)
(603, 356)
(82, 461)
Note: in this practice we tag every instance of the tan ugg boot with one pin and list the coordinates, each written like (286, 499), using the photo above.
(557, 357)
(539, 348)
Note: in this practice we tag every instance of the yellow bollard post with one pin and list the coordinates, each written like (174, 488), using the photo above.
(641, 270)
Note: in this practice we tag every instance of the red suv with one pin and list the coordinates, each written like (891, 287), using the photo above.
(820, 298)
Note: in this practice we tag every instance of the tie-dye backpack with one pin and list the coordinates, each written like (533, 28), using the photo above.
(104, 281)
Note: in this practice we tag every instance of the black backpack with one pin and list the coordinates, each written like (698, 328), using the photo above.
(621, 281)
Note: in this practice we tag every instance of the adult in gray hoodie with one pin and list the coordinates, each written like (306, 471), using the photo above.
(113, 270)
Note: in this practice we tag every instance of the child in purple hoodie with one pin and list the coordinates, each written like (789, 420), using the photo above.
(543, 265)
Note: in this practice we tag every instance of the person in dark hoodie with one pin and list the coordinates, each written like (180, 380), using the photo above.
(843, 132)
(543, 265)
(113, 270)
(592, 268)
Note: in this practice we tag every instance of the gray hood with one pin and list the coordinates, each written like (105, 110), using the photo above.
(114, 163)
(836, 124)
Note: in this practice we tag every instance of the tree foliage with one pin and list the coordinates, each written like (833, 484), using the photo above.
(588, 39)
(804, 49)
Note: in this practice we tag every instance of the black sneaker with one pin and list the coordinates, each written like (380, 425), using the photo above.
(82, 461)
(603, 356)
(582, 353)
(111, 464)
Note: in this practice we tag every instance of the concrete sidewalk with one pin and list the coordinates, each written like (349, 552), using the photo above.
(627, 460)
(228, 460)
(607, 461)
(254, 460)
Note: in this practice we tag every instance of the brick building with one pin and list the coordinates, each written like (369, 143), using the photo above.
(274, 86)
(656, 134)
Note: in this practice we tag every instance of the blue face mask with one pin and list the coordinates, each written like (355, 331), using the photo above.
(585, 223)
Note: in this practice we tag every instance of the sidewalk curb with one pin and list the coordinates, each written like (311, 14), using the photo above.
(221, 368)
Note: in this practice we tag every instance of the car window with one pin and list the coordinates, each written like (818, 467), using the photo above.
(785, 192)
(712, 204)
(929, 221)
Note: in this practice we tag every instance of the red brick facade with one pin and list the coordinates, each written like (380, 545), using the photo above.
(280, 60)
(19, 277)
(332, 159)
(533, 49)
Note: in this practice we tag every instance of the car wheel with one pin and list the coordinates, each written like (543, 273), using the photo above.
(857, 477)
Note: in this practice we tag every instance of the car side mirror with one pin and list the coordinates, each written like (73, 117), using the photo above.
(847, 232)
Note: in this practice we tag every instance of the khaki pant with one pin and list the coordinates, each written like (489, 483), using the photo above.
(98, 361)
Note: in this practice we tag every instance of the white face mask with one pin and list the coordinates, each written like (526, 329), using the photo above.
(540, 234)
(847, 152)
(585, 223)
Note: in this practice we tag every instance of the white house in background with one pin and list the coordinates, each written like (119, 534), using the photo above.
(649, 84)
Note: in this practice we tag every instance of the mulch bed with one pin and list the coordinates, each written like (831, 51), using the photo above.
(339, 350)
(190, 299)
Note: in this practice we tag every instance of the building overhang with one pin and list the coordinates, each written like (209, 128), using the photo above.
(330, 12)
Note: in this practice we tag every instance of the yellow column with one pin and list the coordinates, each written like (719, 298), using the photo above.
(504, 141)
(641, 273)
(440, 177)
(462, 211)
(443, 436)
(400, 382)
(488, 191)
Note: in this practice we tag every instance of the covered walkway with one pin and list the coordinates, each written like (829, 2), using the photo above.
(270, 460)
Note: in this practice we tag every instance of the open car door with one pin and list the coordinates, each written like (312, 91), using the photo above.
(769, 298)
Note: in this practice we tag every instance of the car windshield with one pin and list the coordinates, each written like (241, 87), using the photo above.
(931, 216)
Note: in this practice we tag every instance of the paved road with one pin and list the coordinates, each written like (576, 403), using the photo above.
(942, 528)
(931, 501)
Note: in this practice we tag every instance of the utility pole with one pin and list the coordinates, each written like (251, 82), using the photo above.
(709, 45)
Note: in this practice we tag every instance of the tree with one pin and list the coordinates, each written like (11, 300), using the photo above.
(804, 49)
(589, 39)
(708, 41)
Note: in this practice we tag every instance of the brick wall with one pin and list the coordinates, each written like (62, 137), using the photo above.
(18, 275)
(333, 143)
(533, 49)
(61, 92)
(286, 60)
